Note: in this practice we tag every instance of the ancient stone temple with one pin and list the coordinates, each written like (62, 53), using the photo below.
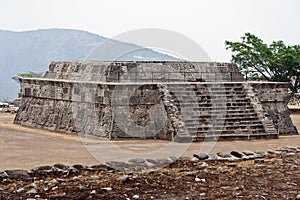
(179, 101)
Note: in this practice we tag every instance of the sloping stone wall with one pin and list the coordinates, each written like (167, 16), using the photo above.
(88, 98)
(274, 98)
(105, 111)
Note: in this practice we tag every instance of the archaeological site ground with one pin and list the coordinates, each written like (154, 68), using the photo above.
(142, 107)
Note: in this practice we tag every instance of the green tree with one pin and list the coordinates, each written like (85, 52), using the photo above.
(260, 61)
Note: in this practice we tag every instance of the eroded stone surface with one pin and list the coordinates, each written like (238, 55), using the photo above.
(184, 102)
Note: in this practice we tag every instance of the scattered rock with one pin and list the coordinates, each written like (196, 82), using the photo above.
(236, 154)
(292, 148)
(90, 182)
(3, 175)
(163, 162)
(82, 188)
(202, 166)
(201, 156)
(273, 152)
(56, 170)
(212, 156)
(60, 180)
(259, 161)
(94, 177)
(124, 178)
(137, 160)
(20, 190)
(174, 159)
(42, 168)
(187, 158)
(31, 191)
(248, 153)
(232, 164)
(200, 179)
(100, 167)
(61, 166)
(106, 188)
(290, 154)
(93, 192)
(58, 196)
(18, 174)
(80, 167)
(54, 188)
(224, 155)
(33, 185)
(152, 161)
(116, 165)
(261, 153)
(6, 181)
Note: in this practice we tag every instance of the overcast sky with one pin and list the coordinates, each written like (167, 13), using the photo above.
(207, 22)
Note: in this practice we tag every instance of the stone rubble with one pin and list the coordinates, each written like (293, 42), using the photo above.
(251, 175)
(141, 164)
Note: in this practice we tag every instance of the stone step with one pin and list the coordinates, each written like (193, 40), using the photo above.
(205, 87)
(194, 114)
(220, 132)
(210, 94)
(227, 123)
(225, 127)
(215, 111)
(227, 108)
(234, 137)
(221, 120)
(192, 100)
(209, 118)
(225, 132)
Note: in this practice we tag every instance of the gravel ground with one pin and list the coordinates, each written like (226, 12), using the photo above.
(274, 176)
(26, 148)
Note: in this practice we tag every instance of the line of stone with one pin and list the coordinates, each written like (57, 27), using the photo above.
(140, 164)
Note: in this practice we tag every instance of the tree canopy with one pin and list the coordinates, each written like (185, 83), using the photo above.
(274, 62)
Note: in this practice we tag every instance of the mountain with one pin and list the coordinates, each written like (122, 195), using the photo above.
(34, 50)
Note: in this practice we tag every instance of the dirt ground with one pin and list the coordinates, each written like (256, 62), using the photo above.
(26, 148)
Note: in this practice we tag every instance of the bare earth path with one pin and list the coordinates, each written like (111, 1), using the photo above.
(25, 148)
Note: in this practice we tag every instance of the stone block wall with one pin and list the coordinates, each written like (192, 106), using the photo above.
(115, 110)
(89, 108)
(154, 71)
(274, 98)
(88, 98)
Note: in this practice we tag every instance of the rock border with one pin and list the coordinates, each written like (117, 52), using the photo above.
(140, 164)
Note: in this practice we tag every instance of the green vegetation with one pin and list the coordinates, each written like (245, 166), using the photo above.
(26, 75)
(260, 61)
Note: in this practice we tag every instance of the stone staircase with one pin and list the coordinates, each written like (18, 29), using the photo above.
(218, 111)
